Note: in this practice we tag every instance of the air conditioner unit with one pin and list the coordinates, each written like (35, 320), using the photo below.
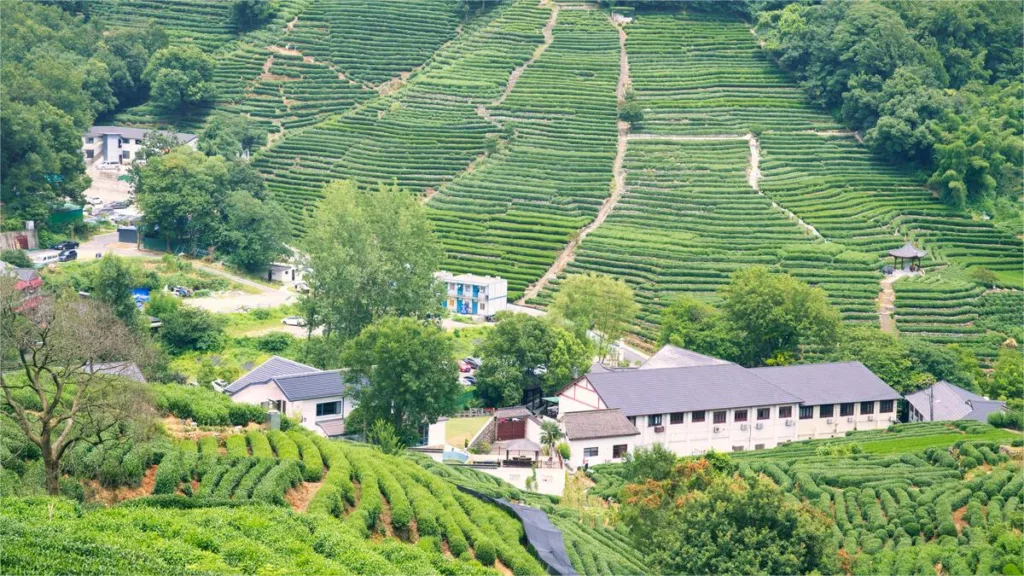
(717, 429)
(789, 422)
(743, 427)
(892, 418)
(849, 418)
(759, 426)
(659, 428)
(871, 418)
(830, 421)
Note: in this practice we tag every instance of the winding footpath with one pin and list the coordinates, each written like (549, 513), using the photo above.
(618, 185)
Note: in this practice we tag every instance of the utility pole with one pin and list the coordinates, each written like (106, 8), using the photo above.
(931, 403)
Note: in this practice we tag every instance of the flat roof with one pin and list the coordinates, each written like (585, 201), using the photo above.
(469, 278)
(138, 133)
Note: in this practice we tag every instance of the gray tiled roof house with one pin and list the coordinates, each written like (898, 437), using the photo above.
(945, 401)
(591, 424)
(296, 381)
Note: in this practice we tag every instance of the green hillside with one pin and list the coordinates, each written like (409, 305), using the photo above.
(232, 505)
(914, 499)
(502, 117)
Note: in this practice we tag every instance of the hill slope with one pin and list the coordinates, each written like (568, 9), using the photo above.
(294, 502)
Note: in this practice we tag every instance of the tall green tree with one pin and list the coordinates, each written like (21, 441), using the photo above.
(254, 232)
(403, 372)
(372, 253)
(180, 78)
(596, 302)
(695, 325)
(705, 520)
(113, 286)
(1007, 378)
(232, 136)
(181, 194)
(516, 349)
(777, 314)
(249, 14)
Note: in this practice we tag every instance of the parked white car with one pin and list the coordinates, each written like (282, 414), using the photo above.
(294, 321)
(108, 166)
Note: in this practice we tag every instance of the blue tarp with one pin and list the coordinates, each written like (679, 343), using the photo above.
(141, 296)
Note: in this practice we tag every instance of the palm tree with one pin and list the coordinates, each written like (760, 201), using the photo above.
(549, 435)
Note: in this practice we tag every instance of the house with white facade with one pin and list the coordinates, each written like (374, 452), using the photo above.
(121, 144)
(473, 295)
(317, 398)
(598, 436)
(696, 403)
(945, 401)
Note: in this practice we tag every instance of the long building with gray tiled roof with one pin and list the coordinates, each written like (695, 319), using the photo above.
(691, 403)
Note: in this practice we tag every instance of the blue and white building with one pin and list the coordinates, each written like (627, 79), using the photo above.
(473, 295)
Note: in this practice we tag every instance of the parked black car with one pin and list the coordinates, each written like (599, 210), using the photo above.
(67, 256)
(65, 245)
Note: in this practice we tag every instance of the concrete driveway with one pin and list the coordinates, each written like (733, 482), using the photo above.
(230, 301)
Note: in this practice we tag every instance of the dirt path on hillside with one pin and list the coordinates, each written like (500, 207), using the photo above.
(300, 496)
(754, 171)
(886, 306)
(618, 186)
(624, 79)
(549, 37)
(887, 301)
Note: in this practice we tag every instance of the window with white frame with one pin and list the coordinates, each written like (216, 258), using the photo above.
(590, 452)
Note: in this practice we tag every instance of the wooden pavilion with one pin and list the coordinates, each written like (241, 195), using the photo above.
(908, 252)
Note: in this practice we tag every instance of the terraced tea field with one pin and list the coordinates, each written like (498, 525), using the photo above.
(689, 218)
(948, 312)
(835, 185)
(906, 513)
(512, 214)
(902, 500)
(503, 119)
(697, 74)
(373, 41)
(423, 135)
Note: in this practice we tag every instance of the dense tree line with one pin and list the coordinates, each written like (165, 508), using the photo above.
(936, 84)
(59, 73)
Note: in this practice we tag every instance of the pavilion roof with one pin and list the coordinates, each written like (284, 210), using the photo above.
(907, 251)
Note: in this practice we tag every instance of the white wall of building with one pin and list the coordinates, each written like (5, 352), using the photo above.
(604, 447)
(689, 438)
(579, 397)
(836, 425)
(302, 410)
(491, 296)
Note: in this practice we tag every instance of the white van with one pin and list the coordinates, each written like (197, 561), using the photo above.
(41, 258)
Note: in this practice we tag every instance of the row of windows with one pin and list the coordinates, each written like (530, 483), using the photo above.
(806, 412)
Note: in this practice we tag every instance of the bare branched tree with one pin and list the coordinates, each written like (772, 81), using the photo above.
(61, 380)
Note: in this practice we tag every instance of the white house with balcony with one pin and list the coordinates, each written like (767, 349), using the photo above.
(472, 295)
(121, 144)
(317, 398)
(692, 403)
